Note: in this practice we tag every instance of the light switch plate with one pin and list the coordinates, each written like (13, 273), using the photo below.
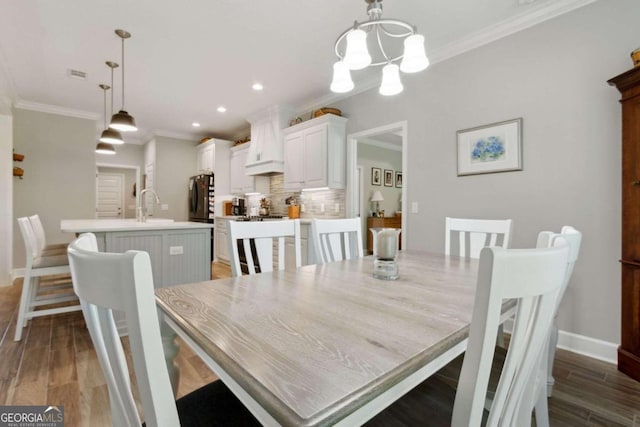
(414, 207)
(164, 207)
(176, 250)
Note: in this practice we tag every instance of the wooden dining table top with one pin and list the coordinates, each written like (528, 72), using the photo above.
(313, 344)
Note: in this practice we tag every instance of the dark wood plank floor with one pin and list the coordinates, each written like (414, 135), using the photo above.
(55, 364)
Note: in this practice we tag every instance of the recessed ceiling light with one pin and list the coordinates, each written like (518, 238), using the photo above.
(195, 124)
(257, 86)
(222, 109)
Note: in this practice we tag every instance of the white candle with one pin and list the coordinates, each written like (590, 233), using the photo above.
(387, 244)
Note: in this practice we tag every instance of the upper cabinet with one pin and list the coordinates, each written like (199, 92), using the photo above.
(315, 154)
(240, 182)
(206, 157)
(265, 155)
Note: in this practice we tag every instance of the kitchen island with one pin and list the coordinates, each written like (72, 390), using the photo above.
(180, 252)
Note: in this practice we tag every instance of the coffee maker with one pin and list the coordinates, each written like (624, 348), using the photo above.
(237, 206)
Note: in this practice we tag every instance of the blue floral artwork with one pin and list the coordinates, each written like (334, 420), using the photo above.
(488, 149)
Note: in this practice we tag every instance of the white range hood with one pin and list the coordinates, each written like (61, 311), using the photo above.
(266, 153)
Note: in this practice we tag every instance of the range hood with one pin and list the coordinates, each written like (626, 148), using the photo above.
(266, 152)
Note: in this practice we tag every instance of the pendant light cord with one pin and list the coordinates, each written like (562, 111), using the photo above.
(105, 109)
(122, 74)
(111, 111)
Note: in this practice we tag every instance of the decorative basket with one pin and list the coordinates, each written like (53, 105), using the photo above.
(18, 157)
(635, 56)
(326, 110)
(18, 172)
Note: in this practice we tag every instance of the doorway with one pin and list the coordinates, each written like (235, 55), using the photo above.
(116, 195)
(377, 161)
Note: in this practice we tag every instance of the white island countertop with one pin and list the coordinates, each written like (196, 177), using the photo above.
(106, 225)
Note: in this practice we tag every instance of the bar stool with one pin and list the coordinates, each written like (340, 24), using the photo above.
(39, 264)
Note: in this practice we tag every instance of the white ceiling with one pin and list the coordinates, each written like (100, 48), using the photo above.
(187, 58)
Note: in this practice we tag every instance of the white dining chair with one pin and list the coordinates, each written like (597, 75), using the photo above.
(532, 277)
(336, 239)
(545, 239)
(37, 300)
(475, 234)
(108, 281)
(265, 240)
(50, 249)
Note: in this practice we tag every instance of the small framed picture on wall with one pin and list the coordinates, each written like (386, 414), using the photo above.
(398, 179)
(376, 176)
(388, 178)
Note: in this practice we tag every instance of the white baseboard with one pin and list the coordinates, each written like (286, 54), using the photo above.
(587, 346)
(15, 273)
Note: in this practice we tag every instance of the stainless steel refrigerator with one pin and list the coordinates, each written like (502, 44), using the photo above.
(201, 198)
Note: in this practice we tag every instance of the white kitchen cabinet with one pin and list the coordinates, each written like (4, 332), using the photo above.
(240, 182)
(221, 241)
(315, 154)
(206, 157)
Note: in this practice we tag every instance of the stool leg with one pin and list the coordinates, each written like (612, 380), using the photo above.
(24, 303)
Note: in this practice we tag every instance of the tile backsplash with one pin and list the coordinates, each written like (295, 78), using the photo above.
(313, 201)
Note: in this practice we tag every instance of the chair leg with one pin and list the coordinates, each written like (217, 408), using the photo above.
(500, 337)
(553, 343)
(24, 305)
(542, 408)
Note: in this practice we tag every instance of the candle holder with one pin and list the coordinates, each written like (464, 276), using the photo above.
(385, 246)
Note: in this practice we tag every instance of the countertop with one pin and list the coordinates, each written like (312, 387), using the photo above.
(234, 217)
(103, 225)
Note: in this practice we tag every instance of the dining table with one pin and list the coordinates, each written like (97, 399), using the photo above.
(327, 344)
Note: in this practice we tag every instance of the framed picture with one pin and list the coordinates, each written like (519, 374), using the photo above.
(376, 176)
(491, 148)
(399, 179)
(388, 178)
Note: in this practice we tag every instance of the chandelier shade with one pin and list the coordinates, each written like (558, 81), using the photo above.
(111, 136)
(104, 147)
(341, 82)
(353, 49)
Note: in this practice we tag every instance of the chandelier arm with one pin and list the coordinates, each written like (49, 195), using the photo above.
(396, 35)
(384, 54)
(410, 31)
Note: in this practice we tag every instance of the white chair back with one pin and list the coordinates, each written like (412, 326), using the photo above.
(32, 248)
(269, 240)
(106, 282)
(534, 277)
(337, 239)
(475, 234)
(38, 231)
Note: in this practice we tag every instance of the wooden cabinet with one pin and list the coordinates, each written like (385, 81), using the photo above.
(315, 154)
(629, 351)
(240, 182)
(206, 157)
(382, 222)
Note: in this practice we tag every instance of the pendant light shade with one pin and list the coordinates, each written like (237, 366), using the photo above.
(415, 58)
(341, 82)
(357, 55)
(111, 136)
(123, 121)
(391, 84)
(105, 148)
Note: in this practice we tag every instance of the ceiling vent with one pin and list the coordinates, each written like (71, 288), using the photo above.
(77, 74)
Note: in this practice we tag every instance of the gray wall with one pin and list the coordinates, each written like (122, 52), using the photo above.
(175, 161)
(6, 198)
(553, 76)
(59, 173)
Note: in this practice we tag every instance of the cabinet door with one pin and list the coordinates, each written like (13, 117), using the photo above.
(294, 161)
(208, 154)
(237, 175)
(290, 253)
(315, 157)
(248, 181)
(222, 249)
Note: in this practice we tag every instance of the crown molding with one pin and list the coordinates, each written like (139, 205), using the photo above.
(55, 109)
(175, 135)
(381, 144)
(533, 16)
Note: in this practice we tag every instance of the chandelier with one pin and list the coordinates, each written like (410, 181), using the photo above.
(378, 32)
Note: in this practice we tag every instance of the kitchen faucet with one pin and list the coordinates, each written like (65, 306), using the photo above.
(141, 211)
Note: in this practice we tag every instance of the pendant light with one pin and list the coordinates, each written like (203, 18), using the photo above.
(122, 121)
(111, 136)
(391, 84)
(341, 82)
(105, 147)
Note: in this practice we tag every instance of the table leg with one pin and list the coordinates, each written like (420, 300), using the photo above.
(170, 348)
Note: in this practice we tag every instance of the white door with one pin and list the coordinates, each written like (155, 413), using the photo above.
(110, 192)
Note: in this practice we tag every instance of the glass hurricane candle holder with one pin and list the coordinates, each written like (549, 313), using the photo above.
(385, 246)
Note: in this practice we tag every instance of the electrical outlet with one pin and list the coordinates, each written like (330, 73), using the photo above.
(321, 207)
(164, 207)
(337, 208)
(303, 209)
(176, 250)
(414, 207)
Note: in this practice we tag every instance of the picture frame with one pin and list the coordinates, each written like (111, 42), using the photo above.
(496, 147)
(376, 176)
(388, 178)
(398, 179)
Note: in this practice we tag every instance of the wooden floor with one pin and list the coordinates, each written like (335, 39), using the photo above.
(55, 364)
